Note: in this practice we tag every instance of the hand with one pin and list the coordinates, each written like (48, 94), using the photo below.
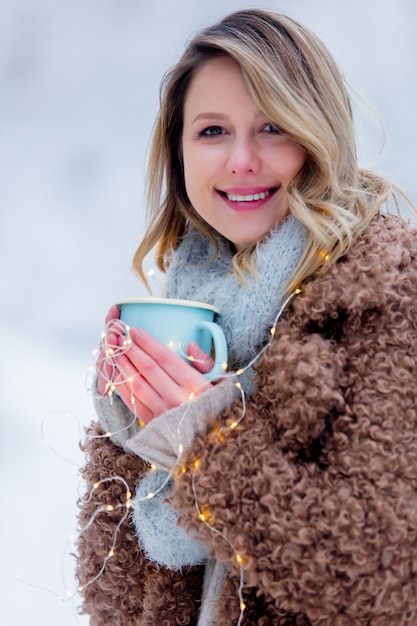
(149, 378)
(153, 379)
(105, 364)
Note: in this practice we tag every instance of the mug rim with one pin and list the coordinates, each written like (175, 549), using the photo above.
(174, 301)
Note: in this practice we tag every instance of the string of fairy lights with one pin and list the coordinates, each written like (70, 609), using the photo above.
(111, 352)
(114, 376)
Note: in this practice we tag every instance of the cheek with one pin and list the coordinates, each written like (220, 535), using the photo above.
(297, 160)
(291, 158)
(199, 174)
(192, 182)
(188, 170)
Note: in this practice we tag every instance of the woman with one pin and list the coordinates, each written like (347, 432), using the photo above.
(285, 493)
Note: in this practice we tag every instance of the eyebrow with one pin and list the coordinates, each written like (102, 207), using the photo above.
(209, 115)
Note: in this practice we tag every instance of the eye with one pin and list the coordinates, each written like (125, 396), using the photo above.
(212, 131)
(271, 128)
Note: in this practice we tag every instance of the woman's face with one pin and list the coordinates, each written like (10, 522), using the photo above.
(237, 165)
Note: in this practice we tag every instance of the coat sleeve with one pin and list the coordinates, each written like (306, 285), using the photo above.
(117, 583)
(313, 494)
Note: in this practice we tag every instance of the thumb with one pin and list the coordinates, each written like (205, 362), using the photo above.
(199, 359)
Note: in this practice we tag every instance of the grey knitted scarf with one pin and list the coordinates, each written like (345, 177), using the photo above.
(247, 311)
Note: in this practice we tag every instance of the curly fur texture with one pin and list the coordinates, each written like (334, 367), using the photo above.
(131, 590)
(317, 486)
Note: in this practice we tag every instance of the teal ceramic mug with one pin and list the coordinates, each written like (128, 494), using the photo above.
(177, 323)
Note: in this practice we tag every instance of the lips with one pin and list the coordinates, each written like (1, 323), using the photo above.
(247, 198)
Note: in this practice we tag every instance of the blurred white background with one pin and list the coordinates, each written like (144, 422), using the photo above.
(79, 83)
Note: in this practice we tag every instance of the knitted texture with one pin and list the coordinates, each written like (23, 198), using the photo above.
(252, 307)
(247, 311)
(156, 523)
(316, 486)
(162, 540)
(159, 442)
(116, 418)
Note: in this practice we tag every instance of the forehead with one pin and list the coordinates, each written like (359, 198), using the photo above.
(216, 85)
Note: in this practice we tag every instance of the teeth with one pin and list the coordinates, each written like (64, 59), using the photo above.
(249, 198)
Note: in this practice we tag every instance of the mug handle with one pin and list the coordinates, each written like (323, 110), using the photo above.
(220, 349)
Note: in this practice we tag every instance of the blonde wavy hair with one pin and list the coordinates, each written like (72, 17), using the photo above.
(297, 85)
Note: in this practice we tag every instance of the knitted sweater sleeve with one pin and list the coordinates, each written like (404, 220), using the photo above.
(164, 439)
(313, 494)
(161, 444)
(152, 556)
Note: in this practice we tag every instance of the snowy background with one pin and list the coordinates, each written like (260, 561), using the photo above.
(79, 83)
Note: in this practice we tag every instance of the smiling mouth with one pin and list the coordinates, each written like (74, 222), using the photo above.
(250, 197)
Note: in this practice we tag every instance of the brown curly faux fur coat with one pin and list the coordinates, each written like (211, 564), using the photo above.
(316, 488)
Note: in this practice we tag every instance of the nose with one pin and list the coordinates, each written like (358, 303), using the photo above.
(243, 157)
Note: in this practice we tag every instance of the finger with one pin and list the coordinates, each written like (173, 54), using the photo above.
(106, 372)
(199, 359)
(152, 385)
(163, 369)
(141, 398)
(134, 404)
(138, 387)
(113, 314)
(105, 365)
